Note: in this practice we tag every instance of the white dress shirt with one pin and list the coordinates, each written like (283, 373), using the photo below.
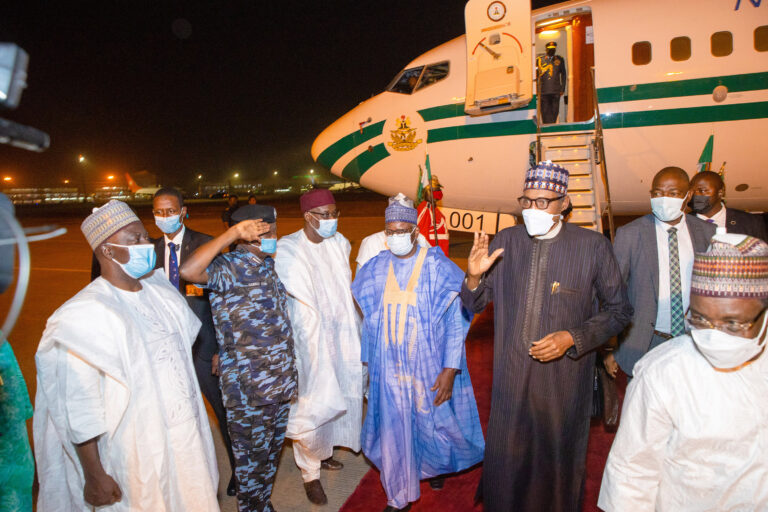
(685, 256)
(718, 218)
(176, 240)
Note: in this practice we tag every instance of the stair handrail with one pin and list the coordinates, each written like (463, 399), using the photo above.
(538, 116)
(601, 154)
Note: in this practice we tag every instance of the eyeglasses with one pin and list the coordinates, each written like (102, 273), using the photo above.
(326, 215)
(541, 203)
(731, 327)
(392, 232)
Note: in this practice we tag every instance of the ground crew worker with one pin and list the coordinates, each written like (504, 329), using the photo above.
(256, 357)
(551, 72)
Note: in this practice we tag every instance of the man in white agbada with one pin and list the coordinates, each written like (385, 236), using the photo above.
(119, 421)
(694, 430)
(373, 244)
(313, 264)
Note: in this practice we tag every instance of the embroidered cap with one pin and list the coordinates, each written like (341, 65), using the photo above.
(401, 199)
(314, 198)
(733, 266)
(547, 176)
(107, 220)
(396, 212)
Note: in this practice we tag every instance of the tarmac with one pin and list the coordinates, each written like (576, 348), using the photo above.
(61, 267)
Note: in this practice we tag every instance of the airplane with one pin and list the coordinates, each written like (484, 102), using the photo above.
(139, 192)
(668, 75)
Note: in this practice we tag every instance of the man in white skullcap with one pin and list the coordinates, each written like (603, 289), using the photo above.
(377, 242)
(694, 429)
(119, 422)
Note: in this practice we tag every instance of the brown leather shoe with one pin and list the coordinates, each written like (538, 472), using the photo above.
(315, 492)
(331, 464)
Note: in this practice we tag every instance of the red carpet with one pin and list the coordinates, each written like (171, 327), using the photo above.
(458, 494)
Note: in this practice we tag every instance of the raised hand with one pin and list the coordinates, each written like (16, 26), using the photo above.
(251, 230)
(479, 260)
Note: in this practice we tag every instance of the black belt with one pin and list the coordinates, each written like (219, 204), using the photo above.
(664, 335)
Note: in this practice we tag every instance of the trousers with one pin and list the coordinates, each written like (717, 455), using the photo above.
(257, 434)
(550, 108)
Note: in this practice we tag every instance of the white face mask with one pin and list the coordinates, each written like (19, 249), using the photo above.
(538, 222)
(725, 351)
(401, 244)
(667, 209)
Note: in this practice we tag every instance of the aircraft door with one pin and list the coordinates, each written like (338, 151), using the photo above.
(499, 74)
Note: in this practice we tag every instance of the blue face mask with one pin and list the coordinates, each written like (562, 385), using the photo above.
(327, 227)
(268, 245)
(141, 259)
(169, 224)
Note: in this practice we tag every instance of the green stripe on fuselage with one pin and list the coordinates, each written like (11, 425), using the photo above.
(341, 147)
(717, 113)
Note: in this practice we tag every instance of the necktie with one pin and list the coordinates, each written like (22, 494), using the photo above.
(675, 287)
(173, 265)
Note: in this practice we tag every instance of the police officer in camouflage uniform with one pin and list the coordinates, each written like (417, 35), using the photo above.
(256, 357)
(552, 74)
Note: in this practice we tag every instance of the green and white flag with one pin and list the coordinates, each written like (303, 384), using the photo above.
(705, 160)
(425, 179)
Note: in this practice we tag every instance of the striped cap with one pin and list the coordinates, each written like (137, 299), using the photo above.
(733, 266)
(107, 220)
(547, 176)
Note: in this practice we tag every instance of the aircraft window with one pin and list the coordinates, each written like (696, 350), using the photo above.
(641, 53)
(434, 73)
(722, 44)
(761, 38)
(405, 82)
(680, 48)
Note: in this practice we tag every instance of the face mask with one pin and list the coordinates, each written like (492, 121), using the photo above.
(667, 209)
(327, 227)
(168, 225)
(537, 222)
(699, 204)
(400, 245)
(141, 259)
(725, 351)
(268, 245)
(438, 195)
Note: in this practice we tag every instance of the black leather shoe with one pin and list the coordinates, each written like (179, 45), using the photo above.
(437, 483)
(232, 487)
(331, 464)
(315, 492)
(393, 509)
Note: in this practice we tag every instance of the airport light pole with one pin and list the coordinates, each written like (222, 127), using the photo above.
(199, 186)
(81, 160)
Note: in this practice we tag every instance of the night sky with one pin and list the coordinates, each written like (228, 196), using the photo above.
(181, 88)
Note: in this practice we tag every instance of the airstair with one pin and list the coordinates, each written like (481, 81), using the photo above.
(583, 154)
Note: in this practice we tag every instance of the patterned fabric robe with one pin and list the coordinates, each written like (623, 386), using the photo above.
(414, 327)
(540, 412)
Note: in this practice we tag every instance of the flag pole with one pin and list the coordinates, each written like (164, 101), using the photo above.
(432, 199)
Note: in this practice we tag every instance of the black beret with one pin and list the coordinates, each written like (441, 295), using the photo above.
(255, 211)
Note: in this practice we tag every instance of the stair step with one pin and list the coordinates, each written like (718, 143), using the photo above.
(580, 182)
(586, 225)
(583, 214)
(580, 199)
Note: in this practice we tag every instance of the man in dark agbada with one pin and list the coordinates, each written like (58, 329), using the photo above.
(558, 295)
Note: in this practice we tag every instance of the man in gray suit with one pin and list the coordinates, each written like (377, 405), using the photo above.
(655, 255)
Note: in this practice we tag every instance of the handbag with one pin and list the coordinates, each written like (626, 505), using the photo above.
(605, 398)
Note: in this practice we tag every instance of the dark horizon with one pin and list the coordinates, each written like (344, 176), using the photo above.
(181, 89)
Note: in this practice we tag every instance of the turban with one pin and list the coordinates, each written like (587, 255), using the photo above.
(733, 266)
(254, 212)
(106, 221)
(547, 176)
(314, 198)
(396, 212)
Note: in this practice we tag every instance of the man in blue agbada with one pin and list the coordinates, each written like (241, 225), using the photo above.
(422, 419)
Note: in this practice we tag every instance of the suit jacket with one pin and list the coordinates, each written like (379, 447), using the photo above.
(638, 258)
(739, 221)
(205, 345)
